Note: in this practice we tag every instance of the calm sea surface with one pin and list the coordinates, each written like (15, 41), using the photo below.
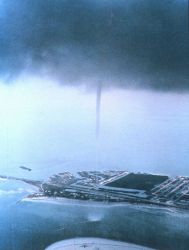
(35, 225)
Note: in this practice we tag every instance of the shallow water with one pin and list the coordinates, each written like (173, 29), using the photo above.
(35, 225)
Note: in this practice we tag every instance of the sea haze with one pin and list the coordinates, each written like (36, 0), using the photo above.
(92, 85)
(54, 57)
(50, 128)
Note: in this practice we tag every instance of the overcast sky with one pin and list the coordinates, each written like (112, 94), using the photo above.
(131, 43)
(52, 51)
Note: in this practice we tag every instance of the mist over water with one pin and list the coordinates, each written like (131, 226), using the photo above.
(54, 54)
(50, 129)
(92, 85)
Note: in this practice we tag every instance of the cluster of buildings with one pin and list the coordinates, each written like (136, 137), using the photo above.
(120, 186)
(115, 186)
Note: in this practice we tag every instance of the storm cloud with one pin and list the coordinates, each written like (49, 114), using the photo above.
(131, 43)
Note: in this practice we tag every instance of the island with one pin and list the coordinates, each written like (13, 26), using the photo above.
(114, 186)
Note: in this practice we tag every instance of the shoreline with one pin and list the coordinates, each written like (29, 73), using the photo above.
(77, 202)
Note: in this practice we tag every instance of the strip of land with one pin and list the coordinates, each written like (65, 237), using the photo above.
(114, 186)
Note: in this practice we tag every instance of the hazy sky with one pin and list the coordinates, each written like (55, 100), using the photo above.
(54, 53)
(51, 129)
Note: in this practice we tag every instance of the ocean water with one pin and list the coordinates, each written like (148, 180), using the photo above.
(50, 128)
(36, 225)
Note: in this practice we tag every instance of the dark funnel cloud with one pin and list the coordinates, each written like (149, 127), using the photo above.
(133, 43)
